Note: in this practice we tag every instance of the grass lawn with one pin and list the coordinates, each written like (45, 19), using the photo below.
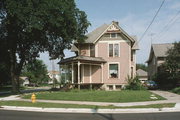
(97, 96)
(56, 105)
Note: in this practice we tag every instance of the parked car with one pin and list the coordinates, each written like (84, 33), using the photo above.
(150, 84)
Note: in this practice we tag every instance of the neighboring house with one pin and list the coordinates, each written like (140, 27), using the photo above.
(53, 75)
(24, 81)
(142, 75)
(104, 60)
(157, 57)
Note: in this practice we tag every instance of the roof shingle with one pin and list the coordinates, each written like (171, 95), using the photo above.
(161, 49)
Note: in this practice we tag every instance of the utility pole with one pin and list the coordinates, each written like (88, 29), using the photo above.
(152, 34)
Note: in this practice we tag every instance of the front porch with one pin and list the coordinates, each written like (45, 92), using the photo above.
(82, 71)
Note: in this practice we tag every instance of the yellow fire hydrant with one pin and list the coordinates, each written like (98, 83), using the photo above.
(33, 98)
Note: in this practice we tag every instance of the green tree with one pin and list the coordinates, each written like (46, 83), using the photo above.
(141, 66)
(169, 72)
(4, 71)
(36, 71)
(29, 27)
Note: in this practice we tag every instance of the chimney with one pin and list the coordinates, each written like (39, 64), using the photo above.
(116, 22)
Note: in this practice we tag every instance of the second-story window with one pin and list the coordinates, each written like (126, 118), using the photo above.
(114, 50)
(110, 50)
(92, 50)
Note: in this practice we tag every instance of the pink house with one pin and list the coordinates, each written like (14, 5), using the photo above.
(104, 60)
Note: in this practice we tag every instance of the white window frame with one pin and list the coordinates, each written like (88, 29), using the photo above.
(114, 50)
(118, 70)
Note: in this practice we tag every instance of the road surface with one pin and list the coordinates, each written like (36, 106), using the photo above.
(20, 115)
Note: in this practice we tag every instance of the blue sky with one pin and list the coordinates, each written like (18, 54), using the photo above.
(133, 16)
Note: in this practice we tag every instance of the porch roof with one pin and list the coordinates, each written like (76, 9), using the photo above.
(82, 58)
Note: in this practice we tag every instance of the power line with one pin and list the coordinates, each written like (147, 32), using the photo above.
(168, 25)
(152, 21)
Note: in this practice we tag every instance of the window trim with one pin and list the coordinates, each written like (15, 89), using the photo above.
(113, 43)
(118, 69)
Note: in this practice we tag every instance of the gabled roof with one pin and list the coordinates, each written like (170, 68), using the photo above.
(159, 50)
(94, 36)
(135, 46)
(141, 72)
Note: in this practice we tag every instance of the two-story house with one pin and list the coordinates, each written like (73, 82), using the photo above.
(104, 60)
(157, 56)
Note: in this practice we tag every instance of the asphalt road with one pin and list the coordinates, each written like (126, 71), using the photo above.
(20, 115)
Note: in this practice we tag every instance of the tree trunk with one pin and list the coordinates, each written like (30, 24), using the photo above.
(14, 77)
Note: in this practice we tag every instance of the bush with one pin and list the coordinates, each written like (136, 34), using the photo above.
(176, 90)
(134, 84)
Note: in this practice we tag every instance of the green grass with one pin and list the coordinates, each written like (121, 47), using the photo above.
(56, 105)
(97, 96)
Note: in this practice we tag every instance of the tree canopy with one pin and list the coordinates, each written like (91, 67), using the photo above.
(169, 72)
(29, 27)
(36, 71)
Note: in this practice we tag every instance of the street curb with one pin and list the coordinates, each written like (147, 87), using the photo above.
(82, 110)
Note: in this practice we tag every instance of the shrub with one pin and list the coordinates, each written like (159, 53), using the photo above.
(134, 84)
(176, 90)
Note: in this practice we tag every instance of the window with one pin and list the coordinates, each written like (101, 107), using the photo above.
(110, 87)
(113, 70)
(113, 35)
(110, 50)
(118, 87)
(92, 50)
(114, 50)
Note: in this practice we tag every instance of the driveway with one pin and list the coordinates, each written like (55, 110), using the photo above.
(171, 97)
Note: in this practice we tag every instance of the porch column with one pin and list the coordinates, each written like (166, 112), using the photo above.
(65, 70)
(72, 76)
(78, 75)
(90, 73)
(102, 73)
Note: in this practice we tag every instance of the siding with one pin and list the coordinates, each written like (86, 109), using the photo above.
(123, 61)
(84, 50)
